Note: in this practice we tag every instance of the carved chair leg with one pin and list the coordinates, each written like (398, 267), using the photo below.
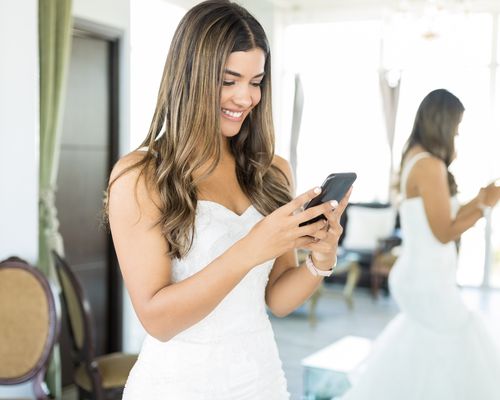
(375, 280)
(313, 302)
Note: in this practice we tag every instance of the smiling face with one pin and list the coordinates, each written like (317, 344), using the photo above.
(241, 88)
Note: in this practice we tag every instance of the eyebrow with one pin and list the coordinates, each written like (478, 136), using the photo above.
(228, 71)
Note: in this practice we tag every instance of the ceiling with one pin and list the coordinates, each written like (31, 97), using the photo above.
(331, 5)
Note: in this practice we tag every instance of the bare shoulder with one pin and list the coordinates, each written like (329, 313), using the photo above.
(428, 178)
(129, 191)
(126, 164)
(430, 166)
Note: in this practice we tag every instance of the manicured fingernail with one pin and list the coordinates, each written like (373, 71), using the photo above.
(334, 203)
(317, 190)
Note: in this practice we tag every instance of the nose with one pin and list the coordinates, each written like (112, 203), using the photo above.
(242, 98)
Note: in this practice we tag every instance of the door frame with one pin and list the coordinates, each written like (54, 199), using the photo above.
(114, 36)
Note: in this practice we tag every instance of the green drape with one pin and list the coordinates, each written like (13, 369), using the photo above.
(55, 26)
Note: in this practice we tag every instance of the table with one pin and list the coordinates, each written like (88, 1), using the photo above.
(326, 372)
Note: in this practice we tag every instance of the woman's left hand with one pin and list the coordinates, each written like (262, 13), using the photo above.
(324, 249)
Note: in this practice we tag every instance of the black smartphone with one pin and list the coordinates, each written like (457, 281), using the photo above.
(334, 187)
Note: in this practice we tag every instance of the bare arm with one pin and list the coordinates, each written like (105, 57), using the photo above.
(291, 285)
(429, 176)
(165, 308)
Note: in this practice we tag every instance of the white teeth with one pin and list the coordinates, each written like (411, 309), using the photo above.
(233, 114)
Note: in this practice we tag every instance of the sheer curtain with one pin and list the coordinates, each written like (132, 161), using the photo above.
(55, 24)
(390, 82)
(298, 107)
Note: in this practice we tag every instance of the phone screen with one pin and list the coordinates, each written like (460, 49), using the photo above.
(334, 187)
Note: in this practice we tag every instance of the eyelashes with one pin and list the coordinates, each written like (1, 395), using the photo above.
(231, 83)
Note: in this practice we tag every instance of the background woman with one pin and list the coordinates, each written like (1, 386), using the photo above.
(435, 348)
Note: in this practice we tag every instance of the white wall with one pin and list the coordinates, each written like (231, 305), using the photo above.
(153, 23)
(18, 138)
(115, 13)
(19, 129)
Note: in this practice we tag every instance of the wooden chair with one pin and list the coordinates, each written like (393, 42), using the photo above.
(29, 325)
(96, 377)
(370, 230)
(383, 259)
(355, 261)
(349, 267)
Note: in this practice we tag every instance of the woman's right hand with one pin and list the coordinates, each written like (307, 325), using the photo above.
(489, 195)
(279, 232)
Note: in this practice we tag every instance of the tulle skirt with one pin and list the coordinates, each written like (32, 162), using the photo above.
(412, 362)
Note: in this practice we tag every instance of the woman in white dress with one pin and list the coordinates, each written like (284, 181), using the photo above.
(204, 224)
(435, 349)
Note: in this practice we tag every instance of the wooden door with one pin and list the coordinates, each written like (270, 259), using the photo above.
(88, 146)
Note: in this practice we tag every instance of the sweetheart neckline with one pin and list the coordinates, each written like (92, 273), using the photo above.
(226, 208)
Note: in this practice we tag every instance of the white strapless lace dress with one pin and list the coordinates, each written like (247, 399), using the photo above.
(436, 348)
(229, 355)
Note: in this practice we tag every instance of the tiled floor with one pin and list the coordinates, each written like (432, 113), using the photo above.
(296, 338)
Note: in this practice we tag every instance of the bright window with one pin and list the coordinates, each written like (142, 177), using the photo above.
(342, 125)
(152, 29)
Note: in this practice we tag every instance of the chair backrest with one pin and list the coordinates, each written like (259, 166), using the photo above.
(365, 223)
(78, 310)
(29, 324)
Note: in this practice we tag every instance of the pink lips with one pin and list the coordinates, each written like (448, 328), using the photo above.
(233, 117)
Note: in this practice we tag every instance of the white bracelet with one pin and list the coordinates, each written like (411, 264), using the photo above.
(485, 210)
(317, 271)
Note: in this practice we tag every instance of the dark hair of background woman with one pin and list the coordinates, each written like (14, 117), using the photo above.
(436, 124)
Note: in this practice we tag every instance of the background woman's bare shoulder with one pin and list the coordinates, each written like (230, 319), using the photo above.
(429, 166)
(426, 177)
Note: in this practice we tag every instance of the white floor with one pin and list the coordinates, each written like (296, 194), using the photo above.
(297, 339)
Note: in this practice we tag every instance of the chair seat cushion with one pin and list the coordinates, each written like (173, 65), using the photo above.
(114, 369)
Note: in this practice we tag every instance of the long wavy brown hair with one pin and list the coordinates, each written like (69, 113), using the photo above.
(185, 131)
(435, 127)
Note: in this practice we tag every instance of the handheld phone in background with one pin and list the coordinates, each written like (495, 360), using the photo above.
(334, 187)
